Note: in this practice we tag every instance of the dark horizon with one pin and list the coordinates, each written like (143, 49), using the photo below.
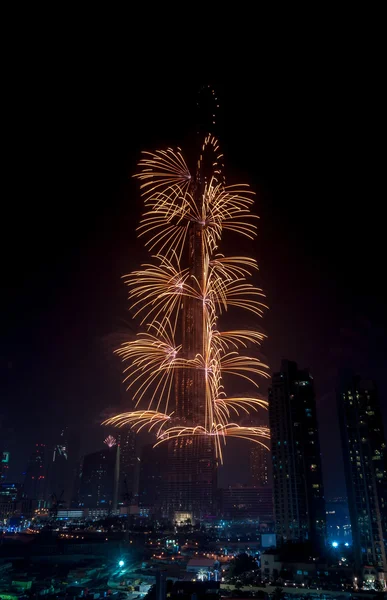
(306, 147)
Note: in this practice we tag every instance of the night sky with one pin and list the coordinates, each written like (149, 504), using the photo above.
(305, 135)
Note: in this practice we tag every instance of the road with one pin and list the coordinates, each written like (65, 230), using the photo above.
(294, 591)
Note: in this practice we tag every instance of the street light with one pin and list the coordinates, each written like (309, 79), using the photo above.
(121, 563)
(335, 544)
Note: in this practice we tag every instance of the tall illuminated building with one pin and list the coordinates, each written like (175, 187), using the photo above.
(99, 479)
(192, 465)
(299, 506)
(365, 462)
(35, 482)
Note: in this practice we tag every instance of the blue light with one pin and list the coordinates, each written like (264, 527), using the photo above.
(346, 544)
(335, 544)
(121, 563)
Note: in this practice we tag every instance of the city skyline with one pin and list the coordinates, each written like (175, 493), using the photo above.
(352, 332)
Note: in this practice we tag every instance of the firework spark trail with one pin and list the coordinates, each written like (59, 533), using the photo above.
(110, 441)
(179, 206)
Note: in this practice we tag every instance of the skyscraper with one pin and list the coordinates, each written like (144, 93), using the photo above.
(99, 479)
(192, 466)
(35, 482)
(63, 458)
(365, 461)
(299, 507)
(259, 465)
(127, 487)
(60, 472)
(176, 366)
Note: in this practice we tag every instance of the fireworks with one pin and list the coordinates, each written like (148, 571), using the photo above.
(179, 359)
(110, 441)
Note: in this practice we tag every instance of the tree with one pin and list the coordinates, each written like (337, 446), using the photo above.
(241, 564)
(278, 593)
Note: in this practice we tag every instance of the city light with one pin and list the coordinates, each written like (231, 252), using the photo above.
(121, 563)
(346, 544)
(335, 544)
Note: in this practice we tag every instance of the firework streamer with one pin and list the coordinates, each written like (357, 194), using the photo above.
(178, 298)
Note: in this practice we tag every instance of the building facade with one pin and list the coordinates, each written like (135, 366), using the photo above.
(4, 465)
(365, 462)
(338, 521)
(191, 479)
(247, 502)
(10, 491)
(151, 480)
(299, 506)
(191, 476)
(99, 479)
(259, 465)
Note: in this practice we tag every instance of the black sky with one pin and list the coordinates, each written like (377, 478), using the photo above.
(305, 132)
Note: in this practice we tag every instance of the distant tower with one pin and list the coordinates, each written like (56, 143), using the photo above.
(60, 475)
(35, 483)
(127, 487)
(299, 506)
(99, 479)
(365, 461)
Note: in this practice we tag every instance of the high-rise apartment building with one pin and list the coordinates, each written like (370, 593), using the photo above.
(299, 506)
(338, 521)
(35, 482)
(365, 462)
(99, 479)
